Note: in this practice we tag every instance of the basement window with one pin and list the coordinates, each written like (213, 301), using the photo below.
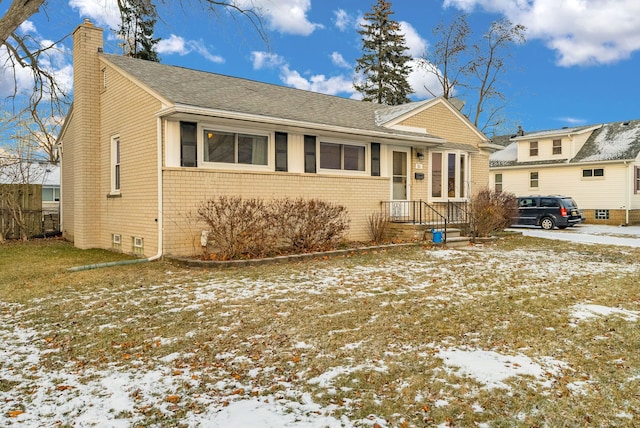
(601, 214)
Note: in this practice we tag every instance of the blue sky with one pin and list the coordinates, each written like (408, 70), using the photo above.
(579, 64)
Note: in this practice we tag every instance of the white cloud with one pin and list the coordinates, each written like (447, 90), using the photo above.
(178, 45)
(317, 83)
(27, 27)
(342, 19)
(416, 44)
(572, 120)
(101, 12)
(285, 16)
(262, 60)
(338, 60)
(582, 32)
(423, 82)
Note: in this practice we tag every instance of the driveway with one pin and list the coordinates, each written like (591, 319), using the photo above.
(626, 236)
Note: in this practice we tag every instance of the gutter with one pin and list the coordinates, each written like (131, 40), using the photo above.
(427, 140)
(158, 219)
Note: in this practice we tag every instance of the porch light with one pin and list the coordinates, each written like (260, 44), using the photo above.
(420, 155)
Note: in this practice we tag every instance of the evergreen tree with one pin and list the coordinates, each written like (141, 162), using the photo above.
(136, 29)
(384, 65)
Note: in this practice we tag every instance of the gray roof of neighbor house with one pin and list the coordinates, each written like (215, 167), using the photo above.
(613, 141)
(183, 86)
(608, 142)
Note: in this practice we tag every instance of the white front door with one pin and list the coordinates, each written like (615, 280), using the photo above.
(400, 191)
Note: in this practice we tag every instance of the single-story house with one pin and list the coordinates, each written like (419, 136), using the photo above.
(597, 165)
(144, 143)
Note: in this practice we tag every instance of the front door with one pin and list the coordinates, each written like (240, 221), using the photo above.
(399, 171)
(399, 185)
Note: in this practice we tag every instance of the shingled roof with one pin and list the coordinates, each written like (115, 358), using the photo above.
(609, 142)
(613, 141)
(188, 87)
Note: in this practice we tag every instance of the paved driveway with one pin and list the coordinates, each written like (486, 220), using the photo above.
(628, 236)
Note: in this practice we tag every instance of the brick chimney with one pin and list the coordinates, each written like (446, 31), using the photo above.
(82, 150)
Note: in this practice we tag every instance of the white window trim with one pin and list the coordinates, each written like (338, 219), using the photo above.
(115, 140)
(537, 179)
(467, 176)
(593, 177)
(329, 171)
(271, 149)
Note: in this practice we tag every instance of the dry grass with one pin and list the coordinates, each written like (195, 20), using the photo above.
(361, 334)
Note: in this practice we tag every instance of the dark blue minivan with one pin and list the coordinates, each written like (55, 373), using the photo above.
(548, 211)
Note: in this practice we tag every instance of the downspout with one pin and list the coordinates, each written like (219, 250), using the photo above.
(628, 192)
(158, 220)
(160, 191)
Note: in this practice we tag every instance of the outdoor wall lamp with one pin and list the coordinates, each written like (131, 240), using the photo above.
(420, 155)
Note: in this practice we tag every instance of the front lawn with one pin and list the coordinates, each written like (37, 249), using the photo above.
(519, 332)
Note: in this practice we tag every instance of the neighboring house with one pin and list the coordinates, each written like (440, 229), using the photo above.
(34, 189)
(599, 166)
(144, 143)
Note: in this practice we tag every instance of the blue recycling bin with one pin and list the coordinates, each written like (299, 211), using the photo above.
(437, 236)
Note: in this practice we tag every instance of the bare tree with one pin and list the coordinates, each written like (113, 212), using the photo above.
(474, 68)
(491, 62)
(47, 98)
(448, 60)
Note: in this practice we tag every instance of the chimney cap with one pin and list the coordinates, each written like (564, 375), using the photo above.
(87, 21)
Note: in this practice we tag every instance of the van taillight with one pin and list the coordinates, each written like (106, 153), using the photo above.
(563, 211)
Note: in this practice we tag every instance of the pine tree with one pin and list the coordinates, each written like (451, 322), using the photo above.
(384, 65)
(136, 29)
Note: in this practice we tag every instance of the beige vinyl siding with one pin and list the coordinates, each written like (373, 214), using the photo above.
(608, 192)
(184, 189)
(129, 112)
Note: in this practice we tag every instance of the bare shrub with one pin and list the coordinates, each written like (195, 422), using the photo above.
(310, 224)
(254, 228)
(492, 211)
(238, 228)
(377, 225)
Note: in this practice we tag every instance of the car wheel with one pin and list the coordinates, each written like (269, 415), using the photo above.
(547, 223)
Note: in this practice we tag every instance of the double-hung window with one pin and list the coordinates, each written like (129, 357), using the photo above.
(557, 147)
(237, 148)
(498, 182)
(342, 157)
(115, 165)
(534, 179)
(449, 175)
(533, 148)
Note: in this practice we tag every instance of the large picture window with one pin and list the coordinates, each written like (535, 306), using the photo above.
(449, 175)
(231, 147)
(342, 156)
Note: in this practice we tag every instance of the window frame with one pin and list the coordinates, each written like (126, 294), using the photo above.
(498, 183)
(532, 180)
(636, 179)
(236, 131)
(342, 143)
(533, 149)
(115, 168)
(556, 149)
(460, 175)
(591, 173)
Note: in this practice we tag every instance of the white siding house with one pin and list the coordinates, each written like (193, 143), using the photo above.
(599, 166)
